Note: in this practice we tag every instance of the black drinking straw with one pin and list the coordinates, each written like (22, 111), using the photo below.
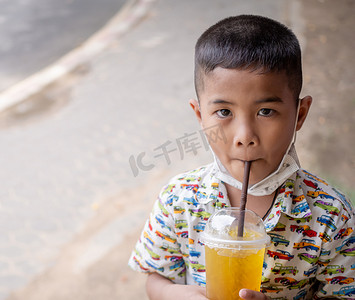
(243, 198)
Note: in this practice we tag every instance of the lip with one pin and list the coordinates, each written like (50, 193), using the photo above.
(245, 160)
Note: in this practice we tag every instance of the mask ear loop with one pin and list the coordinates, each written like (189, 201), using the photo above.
(297, 112)
(293, 141)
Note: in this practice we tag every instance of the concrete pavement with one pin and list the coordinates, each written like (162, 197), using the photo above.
(76, 194)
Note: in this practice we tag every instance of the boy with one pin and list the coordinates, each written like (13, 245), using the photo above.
(248, 78)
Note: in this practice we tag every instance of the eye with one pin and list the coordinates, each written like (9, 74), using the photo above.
(266, 112)
(223, 113)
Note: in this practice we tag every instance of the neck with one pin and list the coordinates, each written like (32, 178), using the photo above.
(259, 204)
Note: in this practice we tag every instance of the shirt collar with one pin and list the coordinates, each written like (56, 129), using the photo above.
(211, 188)
(291, 201)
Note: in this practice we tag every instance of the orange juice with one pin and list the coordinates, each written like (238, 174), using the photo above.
(233, 262)
(230, 270)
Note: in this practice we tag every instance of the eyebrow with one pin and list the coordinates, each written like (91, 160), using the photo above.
(260, 101)
(219, 101)
(269, 100)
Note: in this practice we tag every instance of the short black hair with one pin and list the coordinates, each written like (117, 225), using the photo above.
(249, 42)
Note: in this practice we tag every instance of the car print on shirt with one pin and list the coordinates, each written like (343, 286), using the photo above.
(285, 280)
(271, 289)
(154, 266)
(190, 178)
(161, 221)
(148, 237)
(180, 224)
(165, 237)
(344, 232)
(191, 201)
(200, 279)
(340, 280)
(300, 220)
(264, 279)
(327, 206)
(345, 291)
(311, 271)
(196, 212)
(300, 208)
(280, 227)
(178, 264)
(280, 254)
(323, 263)
(200, 195)
(298, 284)
(163, 209)
(194, 253)
(313, 177)
(327, 221)
(280, 269)
(348, 252)
(300, 295)
(347, 242)
(179, 210)
(190, 187)
(171, 199)
(325, 237)
(298, 199)
(183, 234)
(324, 252)
(151, 253)
(171, 250)
(215, 185)
(311, 259)
(219, 204)
(311, 184)
(168, 189)
(199, 227)
(333, 269)
(320, 194)
(196, 266)
(278, 239)
(304, 229)
(172, 257)
(309, 233)
(200, 213)
(306, 244)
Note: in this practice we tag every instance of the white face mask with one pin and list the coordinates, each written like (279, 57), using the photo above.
(289, 164)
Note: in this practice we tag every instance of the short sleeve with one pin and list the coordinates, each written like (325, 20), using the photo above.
(157, 249)
(337, 257)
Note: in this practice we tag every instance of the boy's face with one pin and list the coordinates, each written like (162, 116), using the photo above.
(257, 113)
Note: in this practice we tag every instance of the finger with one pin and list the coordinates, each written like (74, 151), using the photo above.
(251, 295)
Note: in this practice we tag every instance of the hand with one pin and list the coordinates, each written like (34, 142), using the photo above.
(191, 292)
(252, 295)
(161, 288)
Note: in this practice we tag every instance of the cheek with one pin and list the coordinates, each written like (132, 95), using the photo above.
(278, 138)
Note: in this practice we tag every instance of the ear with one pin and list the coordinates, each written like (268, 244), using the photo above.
(196, 108)
(305, 104)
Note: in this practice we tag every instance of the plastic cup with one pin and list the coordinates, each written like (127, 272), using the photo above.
(233, 262)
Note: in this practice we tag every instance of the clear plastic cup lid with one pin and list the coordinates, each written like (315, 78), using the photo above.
(222, 230)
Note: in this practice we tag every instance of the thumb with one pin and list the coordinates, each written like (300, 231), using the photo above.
(251, 295)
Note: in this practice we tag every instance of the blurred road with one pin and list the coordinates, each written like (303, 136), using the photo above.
(35, 33)
(67, 157)
(83, 161)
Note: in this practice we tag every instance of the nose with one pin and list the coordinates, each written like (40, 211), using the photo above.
(245, 135)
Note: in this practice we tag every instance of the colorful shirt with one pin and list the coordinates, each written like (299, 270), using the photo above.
(311, 226)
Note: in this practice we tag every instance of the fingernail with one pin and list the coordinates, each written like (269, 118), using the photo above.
(243, 293)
